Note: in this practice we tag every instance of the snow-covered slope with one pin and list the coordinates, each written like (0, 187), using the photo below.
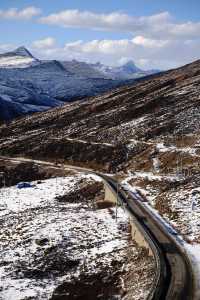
(16, 61)
(73, 233)
(20, 58)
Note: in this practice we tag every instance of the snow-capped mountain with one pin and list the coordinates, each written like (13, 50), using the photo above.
(127, 71)
(20, 58)
(29, 85)
(84, 69)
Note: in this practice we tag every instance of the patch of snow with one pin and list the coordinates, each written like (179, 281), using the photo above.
(92, 176)
(16, 62)
(133, 122)
(156, 164)
(162, 148)
(16, 200)
(182, 202)
(89, 142)
(150, 176)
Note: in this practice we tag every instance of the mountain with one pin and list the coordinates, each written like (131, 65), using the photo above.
(125, 72)
(22, 51)
(82, 69)
(30, 85)
(98, 70)
(130, 68)
(19, 58)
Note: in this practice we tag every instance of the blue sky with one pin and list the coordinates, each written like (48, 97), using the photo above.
(154, 33)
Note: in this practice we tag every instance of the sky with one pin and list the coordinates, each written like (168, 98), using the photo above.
(155, 34)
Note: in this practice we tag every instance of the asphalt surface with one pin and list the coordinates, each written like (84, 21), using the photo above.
(175, 280)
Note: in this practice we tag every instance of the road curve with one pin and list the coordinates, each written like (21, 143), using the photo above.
(174, 274)
(174, 278)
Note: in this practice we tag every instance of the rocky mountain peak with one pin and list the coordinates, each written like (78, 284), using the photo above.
(23, 51)
(131, 67)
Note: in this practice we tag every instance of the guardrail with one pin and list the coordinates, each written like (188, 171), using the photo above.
(162, 270)
(174, 278)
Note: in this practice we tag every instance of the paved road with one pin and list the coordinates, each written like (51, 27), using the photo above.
(174, 277)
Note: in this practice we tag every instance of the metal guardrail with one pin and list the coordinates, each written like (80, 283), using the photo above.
(162, 272)
(173, 277)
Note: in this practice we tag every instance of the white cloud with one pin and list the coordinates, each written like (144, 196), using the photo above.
(146, 53)
(100, 46)
(116, 47)
(86, 19)
(149, 43)
(6, 47)
(188, 29)
(157, 41)
(114, 21)
(46, 43)
(158, 26)
(26, 13)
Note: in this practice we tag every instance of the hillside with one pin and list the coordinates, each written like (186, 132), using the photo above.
(148, 132)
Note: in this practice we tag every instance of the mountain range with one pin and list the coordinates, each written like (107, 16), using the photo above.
(29, 85)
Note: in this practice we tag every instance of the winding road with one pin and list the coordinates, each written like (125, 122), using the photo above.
(174, 277)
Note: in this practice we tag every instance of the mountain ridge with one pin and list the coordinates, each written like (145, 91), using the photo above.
(28, 85)
(23, 51)
(20, 51)
(129, 67)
